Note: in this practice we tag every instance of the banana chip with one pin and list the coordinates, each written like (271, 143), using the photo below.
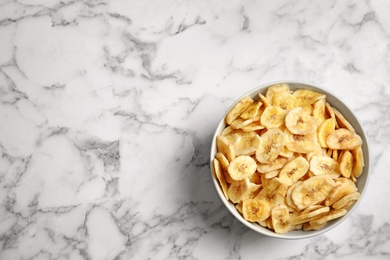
(288, 160)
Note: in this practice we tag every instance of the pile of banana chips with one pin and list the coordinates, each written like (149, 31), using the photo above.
(288, 160)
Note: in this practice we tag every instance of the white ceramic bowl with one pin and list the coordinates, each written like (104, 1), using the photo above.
(362, 181)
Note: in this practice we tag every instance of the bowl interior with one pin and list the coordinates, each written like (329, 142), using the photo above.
(361, 181)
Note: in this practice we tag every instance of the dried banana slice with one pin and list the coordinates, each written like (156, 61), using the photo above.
(289, 199)
(239, 123)
(346, 200)
(358, 157)
(312, 191)
(343, 139)
(307, 217)
(344, 187)
(284, 100)
(280, 219)
(240, 107)
(242, 167)
(220, 177)
(252, 127)
(301, 143)
(342, 122)
(307, 97)
(274, 193)
(333, 214)
(270, 175)
(308, 226)
(319, 111)
(252, 111)
(224, 164)
(255, 210)
(300, 123)
(242, 190)
(293, 170)
(277, 164)
(265, 100)
(322, 164)
(346, 164)
(272, 143)
(324, 130)
(225, 147)
(244, 143)
(273, 117)
(275, 89)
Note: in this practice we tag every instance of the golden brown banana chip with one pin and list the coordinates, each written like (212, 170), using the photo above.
(346, 164)
(343, 188)
(272, 143)
(325, 129)
(242, 190)
(252, 111)
(284, 100)
(220, 177)
(242, 167)
(300, 123)
(301, 143)
(275, 89)
(236, 111)
(276, 164)
(293, 170)
(319, 111)
(307, 217)
(312, 191)
(333, 214)
(358, 157)
(280, 219)
(343, 139)
(342, 122)
(307, 97)
(255, 210)
(225, 147)
(346, 200)
(273, 117)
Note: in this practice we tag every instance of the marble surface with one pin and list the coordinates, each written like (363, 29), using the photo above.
(107, 110)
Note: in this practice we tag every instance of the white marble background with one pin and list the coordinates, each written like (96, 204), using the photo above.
(107, 109)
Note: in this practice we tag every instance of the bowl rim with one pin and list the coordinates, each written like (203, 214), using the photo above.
(293, 235)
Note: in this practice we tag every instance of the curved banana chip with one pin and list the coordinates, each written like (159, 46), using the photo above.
(346, 164)
(307, 217)
(343, 188)
(252, 111)
(225, 147)
(255, 210)
(301, 143)
(265, 100)
(280, 219)
(242, 190)
(346, 200)
(224, 164)
(300, 123)
(358, 157)
(244, 143)
(242, 167)
(293, 170)
(276, 89)
(273, 193)
(319, 111)
(312, 191)
(289, 199)
(272, 143)
(220, 177)
(322, 164)
(277, 164)
(342, 122)
(236, 111)
(343, 139)
(270, 175)
(324, 130)
(284, 100)
(273, 117)
(307, 226)
(307, 97)
(333, 214)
